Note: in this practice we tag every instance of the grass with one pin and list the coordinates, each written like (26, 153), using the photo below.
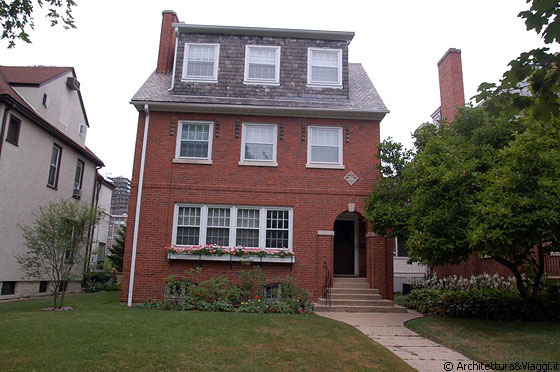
(100, 334)
(491, 341)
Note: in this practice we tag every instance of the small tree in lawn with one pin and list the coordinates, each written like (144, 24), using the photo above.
(117, 250)
(56, 243)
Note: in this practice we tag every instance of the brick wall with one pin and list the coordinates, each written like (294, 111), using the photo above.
(317, 196)
(293, 68)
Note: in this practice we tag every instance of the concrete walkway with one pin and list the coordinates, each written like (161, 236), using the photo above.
(388, 329)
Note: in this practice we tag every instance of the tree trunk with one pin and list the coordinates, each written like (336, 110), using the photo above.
(518, 278)
(55, 295)
(540, 272)
(62, 296)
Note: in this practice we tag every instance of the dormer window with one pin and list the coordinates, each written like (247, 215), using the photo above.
(201, 62)
(262, 64)
(45, 100)
(324, 67)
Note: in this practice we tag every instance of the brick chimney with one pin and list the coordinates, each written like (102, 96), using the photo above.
(166, 43)
(451, 91)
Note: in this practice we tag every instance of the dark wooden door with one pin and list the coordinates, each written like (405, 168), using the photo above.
(344, 248)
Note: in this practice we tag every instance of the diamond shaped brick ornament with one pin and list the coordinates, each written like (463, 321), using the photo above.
(351, 178)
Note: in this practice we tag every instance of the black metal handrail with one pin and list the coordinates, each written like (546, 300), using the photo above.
(327, 285)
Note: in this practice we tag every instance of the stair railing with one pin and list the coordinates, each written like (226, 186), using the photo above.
(327, 285)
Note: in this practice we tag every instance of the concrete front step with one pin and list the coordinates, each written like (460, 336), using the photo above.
(339, 279)
(350, 285)
(360, 309)
(336, 290)
(357, 302)
(354, 296)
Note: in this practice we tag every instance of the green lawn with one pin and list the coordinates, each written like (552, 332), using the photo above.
(491, 341)
(101, 335)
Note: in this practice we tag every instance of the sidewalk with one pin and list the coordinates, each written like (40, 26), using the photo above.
(388, 329)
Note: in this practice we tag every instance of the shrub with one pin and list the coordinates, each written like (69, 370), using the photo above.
(490, 303)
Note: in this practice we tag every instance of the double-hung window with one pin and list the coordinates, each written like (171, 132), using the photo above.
(229, 226)
(258, 145)
(201, 62)
(54, 166)
(194, 141)
(79, 175)
(324, 147)
(324, 67)
(13, 130)
(262, 64)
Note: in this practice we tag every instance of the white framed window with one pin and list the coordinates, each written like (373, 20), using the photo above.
(258, 144)
(399, 248)
(324, 147)
(262, 64)
(200, 62)
(54, 166)
(79, 175)
(194, 142)
(229, 226)
(324, 67)
(83, 130)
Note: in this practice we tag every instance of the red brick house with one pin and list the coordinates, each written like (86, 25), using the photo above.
(255, 137)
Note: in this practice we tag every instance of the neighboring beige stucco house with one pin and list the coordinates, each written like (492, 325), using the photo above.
(100, 243)
(43, 157)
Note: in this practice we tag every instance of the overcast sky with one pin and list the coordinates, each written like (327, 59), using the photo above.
(114, 50)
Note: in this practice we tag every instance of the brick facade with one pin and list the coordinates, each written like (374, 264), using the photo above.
(317, 196)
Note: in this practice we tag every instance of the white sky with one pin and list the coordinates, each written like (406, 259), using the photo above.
(114, 50)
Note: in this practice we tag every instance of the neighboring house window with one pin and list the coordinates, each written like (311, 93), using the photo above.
(324, 67)
(79, 175)
(54, 166)
(399, 249)
(194, 140)
(262, 64)
(43, 286)
(45, 101)
(259, 143)
(100, 255)
(8, 288)
(201, 62)
(324, 147)
(253, 227)
(13, 130)
(83, 130)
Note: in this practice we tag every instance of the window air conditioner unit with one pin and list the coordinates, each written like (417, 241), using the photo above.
(73, 83)
(77, 193)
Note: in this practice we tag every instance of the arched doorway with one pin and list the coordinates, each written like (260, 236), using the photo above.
(349, 245)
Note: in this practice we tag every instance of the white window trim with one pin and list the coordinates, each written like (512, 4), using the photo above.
(201, 79)
(233, 223)
(328, 165)
(248, 80)
(255, 162)
(310, 82)
(396, 249)
(193, 160)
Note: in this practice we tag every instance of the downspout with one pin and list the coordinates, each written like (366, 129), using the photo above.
(7, 108)
(94, 199)
(138, 203)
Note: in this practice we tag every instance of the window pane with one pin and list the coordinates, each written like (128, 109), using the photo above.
(324, 154)
(265, 72)
(200, 60)
(326, 74)
(259, 134)
(248, 218)
(218, 217)
(188, 216)
(324, 58)
(194, 140)
(255, 151)
(262, 55)
(217, 236)
(276, 239)
(78, 175)
(187, 235)
(55, 157)
(324, 137)
(247, 237)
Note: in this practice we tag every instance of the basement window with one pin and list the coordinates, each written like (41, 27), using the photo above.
(8, 288)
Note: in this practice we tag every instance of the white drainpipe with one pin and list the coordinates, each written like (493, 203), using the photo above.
(138, 203)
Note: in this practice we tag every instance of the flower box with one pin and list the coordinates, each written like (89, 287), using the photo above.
(230, 254)
(229, 258)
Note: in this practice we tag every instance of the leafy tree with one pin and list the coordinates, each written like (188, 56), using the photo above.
(117, 250)
(17, 16)
(56, 243)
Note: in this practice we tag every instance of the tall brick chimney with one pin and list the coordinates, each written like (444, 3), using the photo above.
(451, 90)
(166, 43)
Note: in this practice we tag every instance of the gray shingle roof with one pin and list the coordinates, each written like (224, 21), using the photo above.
(363, 97)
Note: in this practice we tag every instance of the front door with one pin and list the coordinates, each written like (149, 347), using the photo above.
(344, 248)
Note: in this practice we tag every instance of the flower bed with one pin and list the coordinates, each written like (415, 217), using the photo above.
(230, 253)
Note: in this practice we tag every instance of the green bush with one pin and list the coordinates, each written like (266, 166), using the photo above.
(489, 304)
(219, 294)
(100, 281)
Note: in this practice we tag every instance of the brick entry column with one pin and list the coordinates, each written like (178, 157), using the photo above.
(325, 251)
(379, 264)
